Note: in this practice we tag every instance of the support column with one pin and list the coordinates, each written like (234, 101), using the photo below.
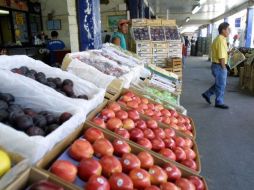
(136, 8)
(89, 20)
(147, 12)
(133, 8)
(248, 36)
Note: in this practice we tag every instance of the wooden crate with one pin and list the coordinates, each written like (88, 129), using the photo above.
(174, 63)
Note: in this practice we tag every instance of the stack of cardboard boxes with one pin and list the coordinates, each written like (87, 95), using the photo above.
(157, 40)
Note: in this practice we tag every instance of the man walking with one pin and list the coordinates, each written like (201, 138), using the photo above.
(219, 69)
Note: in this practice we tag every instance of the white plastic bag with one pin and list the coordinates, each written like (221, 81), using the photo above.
(30, 94)
(89, 73)
(79, 67)
(81, 87)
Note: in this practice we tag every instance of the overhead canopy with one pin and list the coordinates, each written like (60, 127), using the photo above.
(181, 9)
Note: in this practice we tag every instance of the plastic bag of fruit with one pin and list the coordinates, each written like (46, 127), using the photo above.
(89, 73)
(98, 69)
(82, 93)
(19, 123)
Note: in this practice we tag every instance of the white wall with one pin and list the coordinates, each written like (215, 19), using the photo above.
(60, 12)
(110, 9)
(73, 25)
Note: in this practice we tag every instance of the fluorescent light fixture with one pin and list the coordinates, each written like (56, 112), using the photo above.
(196, 9)
(4, 12)
(187, 19)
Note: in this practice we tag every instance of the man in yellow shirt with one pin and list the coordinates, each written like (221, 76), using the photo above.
(219, 69)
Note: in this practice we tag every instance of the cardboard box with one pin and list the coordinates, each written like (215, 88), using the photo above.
(58, 148)
(144, 45)
(160, 45)
(144, 50)
(165, 22)
(160, 50)
(161, 125)
(164, 126)
(19, 165)
(154, 22)
(34, 175)
(152, 101)
(139, 22)
(114, 88)
(135, 149)
(145, 55)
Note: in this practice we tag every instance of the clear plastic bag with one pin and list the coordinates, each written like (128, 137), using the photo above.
(30, 94)
(81, 87)
(235, 58)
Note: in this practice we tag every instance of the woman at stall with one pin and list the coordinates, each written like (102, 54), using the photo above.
(118, 37)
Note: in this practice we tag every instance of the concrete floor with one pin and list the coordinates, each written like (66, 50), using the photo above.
(225, 138)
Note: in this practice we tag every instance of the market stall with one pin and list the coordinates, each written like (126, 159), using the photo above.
(74, 135)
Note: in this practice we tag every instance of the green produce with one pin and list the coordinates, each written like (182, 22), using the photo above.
(160, 95)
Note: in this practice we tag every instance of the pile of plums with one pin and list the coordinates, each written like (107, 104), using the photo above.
(157, 34)
(141, 33)
(28, 120)
(64, 87)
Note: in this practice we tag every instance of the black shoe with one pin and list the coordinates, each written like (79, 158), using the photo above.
(222, 106)
(206, 98)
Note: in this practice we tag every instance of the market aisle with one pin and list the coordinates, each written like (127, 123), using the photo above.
(225, 137)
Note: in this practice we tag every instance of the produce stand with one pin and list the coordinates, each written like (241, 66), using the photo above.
(124, 73)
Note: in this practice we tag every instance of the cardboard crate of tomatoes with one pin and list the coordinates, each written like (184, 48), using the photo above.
(99, 159)
(35, 178)
(148, 133)
(158, 112)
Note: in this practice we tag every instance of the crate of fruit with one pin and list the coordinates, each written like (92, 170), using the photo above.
(174, 62)
(157, 33)
(35, 178)
(92, 63)
(140, 33)
(34, 118)
(100, 159)
(12, 165)
(148, 133)
(181, 123)
(79, 92)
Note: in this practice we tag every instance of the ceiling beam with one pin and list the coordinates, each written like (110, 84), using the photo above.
(234, 10)
(194, 22)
